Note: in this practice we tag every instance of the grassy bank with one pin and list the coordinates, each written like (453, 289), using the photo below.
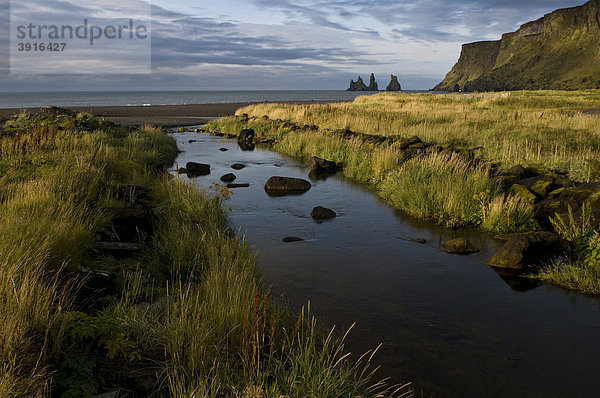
(172, 307)
(462, 174)
(544, 128)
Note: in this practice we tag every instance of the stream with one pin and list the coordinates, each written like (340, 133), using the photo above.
(450, 324)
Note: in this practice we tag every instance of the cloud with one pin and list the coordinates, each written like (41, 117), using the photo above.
(294, 43)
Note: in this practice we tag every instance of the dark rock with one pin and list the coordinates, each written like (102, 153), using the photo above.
(372, 83)
(290, 239)
(233, 186)
(223, 149)
(459, 246)
(229, 177)
(320, 165)
(408, 142)
(518, 171)
(130, 225)
(192, 141)
(93, 287)
(195, 169)
(279, 186)
(421, 241)
(238, 166)
(322, 213)
(394, 84)
(523, 192)
(523, 249)
(246, 135)
(359, 85)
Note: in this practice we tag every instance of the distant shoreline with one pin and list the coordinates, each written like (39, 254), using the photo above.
(159, 115)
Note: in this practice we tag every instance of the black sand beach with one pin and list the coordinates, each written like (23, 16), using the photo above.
(158, 115)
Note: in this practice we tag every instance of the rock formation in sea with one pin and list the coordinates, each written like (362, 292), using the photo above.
(372, 83)
(394, 84)
(359, 85)
(557, 51)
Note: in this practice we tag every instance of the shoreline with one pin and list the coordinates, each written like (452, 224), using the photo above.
(161, 115)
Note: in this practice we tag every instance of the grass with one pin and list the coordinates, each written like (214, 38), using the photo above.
(531, 128)
(448, 190)
(188, 316)
(579, 269)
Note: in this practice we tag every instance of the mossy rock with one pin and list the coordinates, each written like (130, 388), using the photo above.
(594, 199)
(523, 192)
(556, 192)
(542, 188)
(578, 194)
(536, 170)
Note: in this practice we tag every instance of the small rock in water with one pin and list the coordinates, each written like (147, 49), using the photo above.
(194, 168)
(459, 246)
(192, 141)
(237, 166)
(229, 177)
(231, 186)
(421, 241)
(280, 186)
(223, 149)
(290, 239)
(322, 213)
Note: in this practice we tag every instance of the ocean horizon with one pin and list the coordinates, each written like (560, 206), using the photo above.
(18, 100)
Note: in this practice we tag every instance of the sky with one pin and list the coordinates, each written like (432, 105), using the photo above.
(282, 44)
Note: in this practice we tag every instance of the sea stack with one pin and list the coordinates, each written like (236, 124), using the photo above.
(359, 85)
(394, 84)
(373, 84)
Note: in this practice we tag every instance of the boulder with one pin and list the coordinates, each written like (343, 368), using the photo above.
(246, 135)
(322, 213)
(459, 246)
(279, 186)
(237, 166)
(524, 249)
(194, 168)
(518, 171)
(229, 177)
(290, 239)
(523, 192)
(320, 165)
(406, 143)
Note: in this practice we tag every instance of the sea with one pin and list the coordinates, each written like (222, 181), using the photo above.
(148, 98)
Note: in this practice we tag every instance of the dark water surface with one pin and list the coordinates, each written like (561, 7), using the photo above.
(449, 323)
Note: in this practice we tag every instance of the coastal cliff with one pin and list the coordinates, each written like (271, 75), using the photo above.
(558, 51)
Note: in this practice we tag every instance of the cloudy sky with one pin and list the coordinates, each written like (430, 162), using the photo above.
(287, 44)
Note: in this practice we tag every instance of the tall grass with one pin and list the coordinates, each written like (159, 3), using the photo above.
(190, 314)
(532, 128)
(450, 190)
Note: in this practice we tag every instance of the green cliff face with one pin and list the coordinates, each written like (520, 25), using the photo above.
(559, 51)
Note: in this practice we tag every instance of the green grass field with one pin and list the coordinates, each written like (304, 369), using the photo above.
(186, 316)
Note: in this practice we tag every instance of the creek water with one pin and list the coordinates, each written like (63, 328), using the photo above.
(451, 324)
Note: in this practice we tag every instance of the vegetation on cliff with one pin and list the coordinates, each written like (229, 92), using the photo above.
(558, 51)
(117, 278)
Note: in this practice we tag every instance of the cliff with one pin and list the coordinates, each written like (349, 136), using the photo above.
(558, 51)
